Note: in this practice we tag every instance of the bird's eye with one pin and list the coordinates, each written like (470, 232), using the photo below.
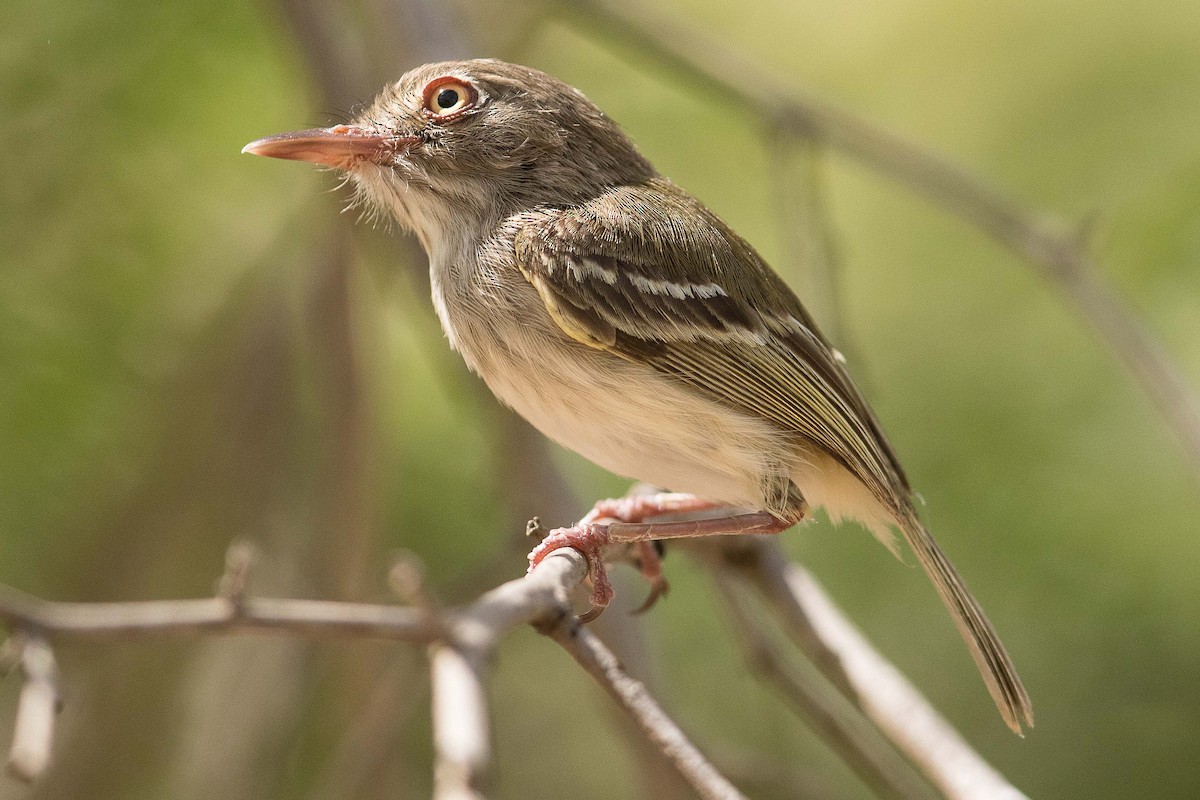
(449, 96)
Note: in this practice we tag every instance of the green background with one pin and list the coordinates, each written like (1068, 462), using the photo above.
(195, 348)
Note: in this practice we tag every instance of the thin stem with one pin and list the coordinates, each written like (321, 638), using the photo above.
(644, 710)
(839, 726)
(820, 629)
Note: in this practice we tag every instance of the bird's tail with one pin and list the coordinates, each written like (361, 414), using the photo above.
(990, 656)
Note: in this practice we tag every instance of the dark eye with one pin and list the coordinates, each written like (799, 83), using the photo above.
(447, 96)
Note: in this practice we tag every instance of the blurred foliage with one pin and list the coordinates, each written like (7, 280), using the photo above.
(184, 361)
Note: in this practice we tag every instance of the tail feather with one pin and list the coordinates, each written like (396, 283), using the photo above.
(990, 656)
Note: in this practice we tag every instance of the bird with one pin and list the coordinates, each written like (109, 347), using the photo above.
(629, 323)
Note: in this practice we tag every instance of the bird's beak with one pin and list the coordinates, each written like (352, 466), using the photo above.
(341, 146)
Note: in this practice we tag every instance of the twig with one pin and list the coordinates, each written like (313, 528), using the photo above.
(631, 695)
(460, 725)
(873, 684)
(316, 618)
(37, 707)
(1055, 248)
(463, 642)
(875, 764)
(805, 225)
(458, 666)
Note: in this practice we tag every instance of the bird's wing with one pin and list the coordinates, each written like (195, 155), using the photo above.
(650, 274)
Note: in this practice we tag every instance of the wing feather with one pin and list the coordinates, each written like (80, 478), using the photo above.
(648, 273)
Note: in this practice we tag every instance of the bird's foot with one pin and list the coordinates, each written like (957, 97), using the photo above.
(630, 520)
(592, 534)
(589, 539)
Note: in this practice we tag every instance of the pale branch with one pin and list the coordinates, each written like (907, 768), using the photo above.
(461, 739)
(542, 599)
(215, 615)
(37, 707)
(839, 726)
(461, 641)
(459, 666)
(1056, 248)
(852, 664)
(631, 694)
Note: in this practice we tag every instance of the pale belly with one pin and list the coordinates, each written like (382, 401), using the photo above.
(635, 422)
(641, 424)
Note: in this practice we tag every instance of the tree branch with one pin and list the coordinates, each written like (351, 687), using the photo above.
(37, 707)
(840, 727)
(215, 615)
(849, 661)
(460, 725)
(644, 710)
(462, 643)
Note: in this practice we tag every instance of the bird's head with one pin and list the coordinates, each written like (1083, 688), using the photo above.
(470, 140)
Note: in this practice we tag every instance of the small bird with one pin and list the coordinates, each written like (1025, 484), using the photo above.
(629, 323)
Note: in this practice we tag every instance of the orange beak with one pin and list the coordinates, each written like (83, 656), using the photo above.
(341, 146)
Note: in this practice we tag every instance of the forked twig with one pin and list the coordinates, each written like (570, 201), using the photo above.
(461, 641)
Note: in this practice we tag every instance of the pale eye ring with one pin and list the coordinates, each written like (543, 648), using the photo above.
(449, 96)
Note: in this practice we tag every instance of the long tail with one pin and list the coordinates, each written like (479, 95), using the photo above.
(990, 656)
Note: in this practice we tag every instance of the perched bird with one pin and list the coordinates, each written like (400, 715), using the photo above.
(629, 323)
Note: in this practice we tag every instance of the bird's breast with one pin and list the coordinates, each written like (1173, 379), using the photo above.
(625, 416)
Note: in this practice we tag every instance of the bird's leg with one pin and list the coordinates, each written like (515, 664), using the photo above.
(629, 524)
(641, 507)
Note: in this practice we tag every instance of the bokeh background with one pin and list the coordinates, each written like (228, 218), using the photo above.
(196, 348)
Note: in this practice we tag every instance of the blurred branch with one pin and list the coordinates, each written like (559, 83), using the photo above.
(805, 224)
(33, 735)
(460, 725)
(216, 615)
(850, 663)
(871, 760)
(1056, 248)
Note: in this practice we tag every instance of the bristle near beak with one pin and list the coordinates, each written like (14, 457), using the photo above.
(341, 146)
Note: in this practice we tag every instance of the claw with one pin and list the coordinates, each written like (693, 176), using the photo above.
(594, 612)
(658, 588)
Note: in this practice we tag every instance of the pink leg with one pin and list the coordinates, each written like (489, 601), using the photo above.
(640, 507)
(590, 535)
